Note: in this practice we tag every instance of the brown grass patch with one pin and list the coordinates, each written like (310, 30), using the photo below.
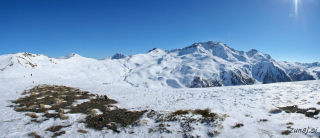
(56, 128)
(286, 132)
(205, 113)
(34, 135)
(32, 115)
(180, 112)
(289, 123)
(82, 131)
(58, 133)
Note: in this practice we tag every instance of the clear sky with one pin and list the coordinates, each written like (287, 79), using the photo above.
(286, 29)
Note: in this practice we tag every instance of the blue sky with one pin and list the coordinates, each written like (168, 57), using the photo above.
(101, 28)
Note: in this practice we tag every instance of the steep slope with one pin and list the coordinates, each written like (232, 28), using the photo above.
(204, 65)
(268, 72)
(301, 71)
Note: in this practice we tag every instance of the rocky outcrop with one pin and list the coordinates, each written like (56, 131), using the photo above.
(118, 56)
(199, 82)
(301, 76)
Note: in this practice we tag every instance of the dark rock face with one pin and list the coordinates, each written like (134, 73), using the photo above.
(282, 76)
(226, 78)
(318, 74)
(235, 78)
(269, 78)
(277, 75)
(301, 76)
(118, 56)
(199, 82)
(268, 72)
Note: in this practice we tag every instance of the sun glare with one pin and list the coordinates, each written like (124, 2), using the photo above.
(296, 2)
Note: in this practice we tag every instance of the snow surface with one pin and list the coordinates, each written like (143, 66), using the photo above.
(235, 101)
(150, 81)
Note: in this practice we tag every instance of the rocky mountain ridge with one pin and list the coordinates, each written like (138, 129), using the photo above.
(207, 64)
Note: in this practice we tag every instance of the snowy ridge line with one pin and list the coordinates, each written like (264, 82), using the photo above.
(203, 64)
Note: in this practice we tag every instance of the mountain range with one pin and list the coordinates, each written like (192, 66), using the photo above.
(206, 64)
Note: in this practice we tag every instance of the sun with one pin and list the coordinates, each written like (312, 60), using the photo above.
(296, 3)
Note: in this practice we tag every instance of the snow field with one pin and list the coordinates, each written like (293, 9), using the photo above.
(243, 104)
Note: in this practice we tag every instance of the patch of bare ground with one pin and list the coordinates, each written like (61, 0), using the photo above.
(286, 132)
(46, 102)
(82, 131)
(309, 112)
(58, 133)
(187, 119)
(34, 135)
(53, 100)
(238, 125)
(56, 128)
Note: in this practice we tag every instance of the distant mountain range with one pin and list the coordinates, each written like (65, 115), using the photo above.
(207, 64)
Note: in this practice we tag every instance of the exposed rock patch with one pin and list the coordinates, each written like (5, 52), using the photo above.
(53, 101)
(188, 120)
(309, 112)
(59, 103)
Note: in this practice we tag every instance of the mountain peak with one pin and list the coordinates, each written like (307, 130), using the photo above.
(202, 64)
(118, 56)
(157, 50)
(69, 56)
(26, 54)
(209, 45)
(252, 52)
(153, 49)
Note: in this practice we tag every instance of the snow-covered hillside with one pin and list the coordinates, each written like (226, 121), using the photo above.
(199, 65)
(249, 105)
(146, 83)
(301, 71)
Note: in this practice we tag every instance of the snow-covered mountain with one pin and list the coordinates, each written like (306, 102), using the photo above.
(118, 56)
(301, 71)
(205, 64)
